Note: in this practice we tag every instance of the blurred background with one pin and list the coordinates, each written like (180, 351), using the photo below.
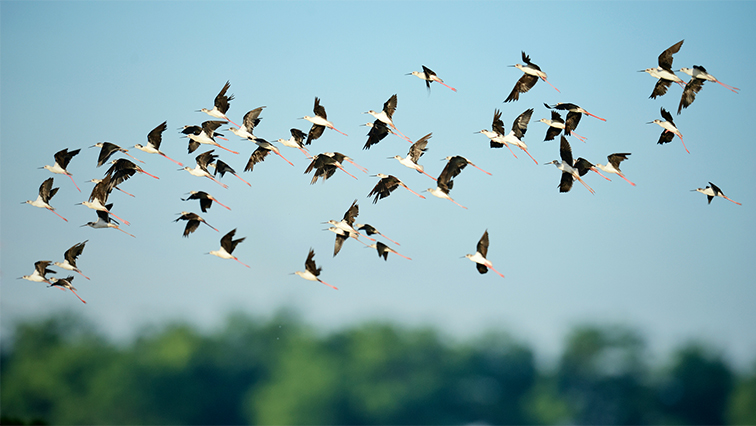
(633, 305)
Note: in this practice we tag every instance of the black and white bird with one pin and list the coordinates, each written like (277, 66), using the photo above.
(107, 149)
(154, 139)
(429, 76)
(70, 256)
(444, 183)
(228, 244)
(65, 283)
(532, 73)
(670, 130)
(312, 271)
(386, 186)
(481, 262)
(664, 72)
(40, 272)
(62, 159)
(712, 191)
(45, 194)
(192, 222)
(205, 200)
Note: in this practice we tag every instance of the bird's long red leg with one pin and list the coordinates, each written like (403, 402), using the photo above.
(399, 254)
(241, 262)
(582, 138)
(452, 200)
(77, 186)
(426, 174)
(127, 193)
(733, 89)
(510, 150)
(81, 274)
(413, 191)
(229, 120)
(211, 226)
(279, 154)
(389, 239)
(180, 165)
(125, 152)
(595, 116)
(344, 170)
(122, 220)
(453, 89)
(304, 151)
(364, 170)
(218, 182)
(58, 215)
(488, 173)
(683, 142)
(623, 177)
(596, 170)
(140, 170)
(223, 147)
(72, 291)
(402, 135)
(115, 227)
(248, 184)
(364, 236)
(585, 185)
(547, 81)
(339, 131)
(729, 199)
(323, 282)
(222, 205)
(531, 157)
(492, 268)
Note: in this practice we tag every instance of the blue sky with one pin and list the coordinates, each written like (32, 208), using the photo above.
(654, 256)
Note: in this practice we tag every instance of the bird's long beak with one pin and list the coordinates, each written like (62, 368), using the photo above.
(650, 122)
(510, 65)
(409, 73)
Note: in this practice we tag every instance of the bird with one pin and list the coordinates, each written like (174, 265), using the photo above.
(70, 256)
(378, 131)
(557, 124)
(46, 192)
(663, 73)
(40, 270)
(444, 183)
(257, 156)
(96, 181)
(371, 230)
(192, 222)
(345, 225)
(712, 191)
(468, 162)
(386, 114)
(154, 138)
(99, 197)
(107, 149)
(699, 72)
(613, 165)
(251, 119)
(223, 168)
(312, 271)
(519, 128)
(340, 158)
(670, 130)
(220, 105)
(228, 244)
(497, 133)
(569, 171)
(384, 250)
(319, 122)
(532, 73)
(204, 134)
(429, 76)
(65, 283)
(295, 141)
(481, 263)
(270, 147)
(122, 169)
(386, 186)
(324, 166)
(104, 220)
(62, 158)
(205, 200)
(573, 116)
(413, 155)
(200, 170)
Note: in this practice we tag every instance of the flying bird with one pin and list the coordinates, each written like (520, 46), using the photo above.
(532, 73)
(384, 250)
(385, 116)
(371, 230)
(468, 162)
(481, 263)
(251, 119)
(221, 105)
(413, 156)
(204, 134)
(663, 73)
(62, 158)
(46, 192)
(557, 124)
(312, 271)
(65, 283)
(40, 270)
(205, 200)
(223, 168)
(497, 133)
(319, 122)
(107, 149)
(70, 256)
(295, 141)
(444, 183)
(712, 191)
(228, 244)
(192, 222)
(154, 138)
(700, 72)
(570, 172)
(670, 130)
(386, 186)
(613, 165)
(104, 220)
(429, 76)
(200, 170)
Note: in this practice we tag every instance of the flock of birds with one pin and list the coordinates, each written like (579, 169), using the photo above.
(325, 165)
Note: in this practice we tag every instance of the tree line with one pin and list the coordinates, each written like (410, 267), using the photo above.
(62, 370)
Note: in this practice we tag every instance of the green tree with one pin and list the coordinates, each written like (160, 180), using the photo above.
(741, 408)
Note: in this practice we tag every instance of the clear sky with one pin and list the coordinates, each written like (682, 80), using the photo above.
(654, 256)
